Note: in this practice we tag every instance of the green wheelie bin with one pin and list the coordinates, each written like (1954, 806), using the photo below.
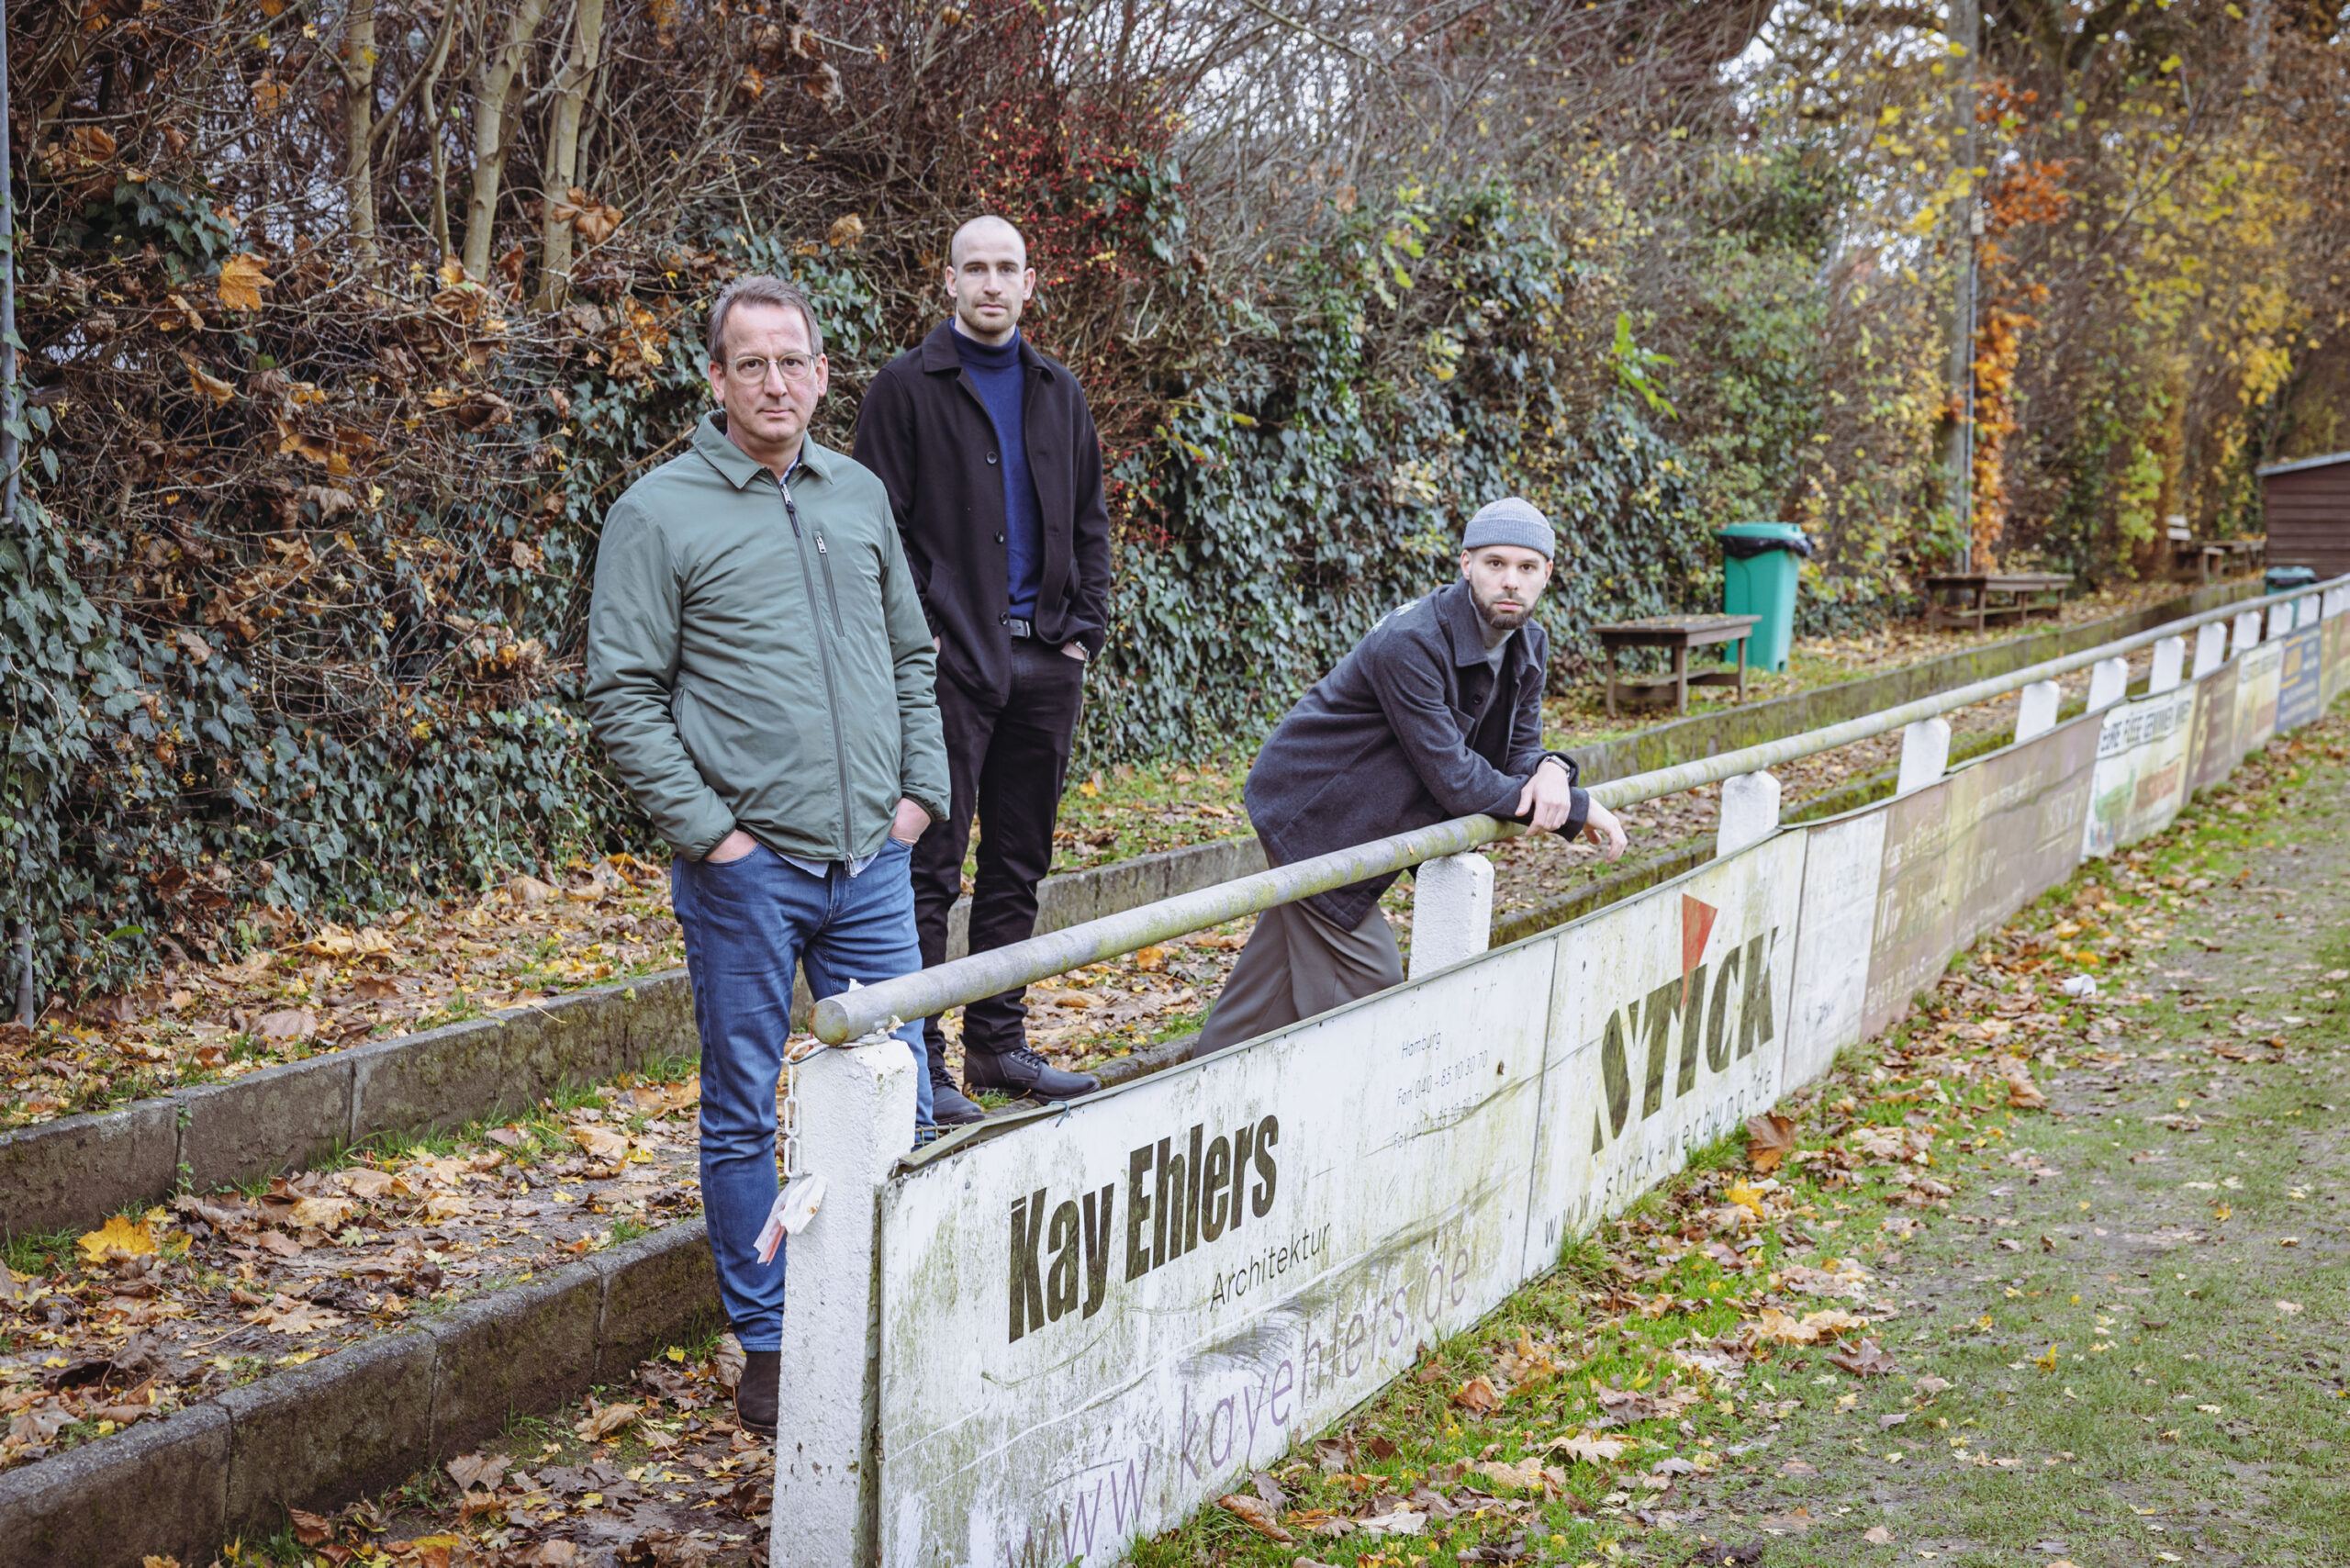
(1759, 561)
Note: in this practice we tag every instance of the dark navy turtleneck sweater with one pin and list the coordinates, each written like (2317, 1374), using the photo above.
(1003, 385)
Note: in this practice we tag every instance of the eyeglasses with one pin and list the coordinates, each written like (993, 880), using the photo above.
(797, 369)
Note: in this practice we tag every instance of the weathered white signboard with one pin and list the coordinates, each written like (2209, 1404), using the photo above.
(2142, 762)
(2257, 670)
(1090, 1328)
(1668, 1021)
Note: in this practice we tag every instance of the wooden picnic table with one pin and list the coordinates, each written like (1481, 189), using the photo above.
(2199, 560)
(1680, 633)
(1985, 597)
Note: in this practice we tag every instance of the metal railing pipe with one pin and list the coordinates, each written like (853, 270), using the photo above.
(855, 1014)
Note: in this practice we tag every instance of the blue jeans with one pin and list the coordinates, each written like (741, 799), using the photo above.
(748, 924)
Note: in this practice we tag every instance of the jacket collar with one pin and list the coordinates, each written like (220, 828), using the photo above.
(738, 466)
(1458, 612)
(940, 357)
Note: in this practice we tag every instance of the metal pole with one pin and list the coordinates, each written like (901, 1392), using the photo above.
(856, 1014)
(27, 991)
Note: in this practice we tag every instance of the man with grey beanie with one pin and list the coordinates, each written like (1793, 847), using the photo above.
(1437, 713)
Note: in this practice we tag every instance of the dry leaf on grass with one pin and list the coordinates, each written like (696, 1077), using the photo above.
(1478, 1396)
(324, 1214)
(1525, 1475)
(1866, 1359)
(1877, 1535)
(1403, 1521)
(1256, 1513)
(1591, 1451)
(1770, 1138)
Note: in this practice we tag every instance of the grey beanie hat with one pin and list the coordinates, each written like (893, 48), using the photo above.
(1511, 522)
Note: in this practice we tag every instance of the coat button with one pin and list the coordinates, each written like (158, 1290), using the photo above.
(991, 457)
(999, 539)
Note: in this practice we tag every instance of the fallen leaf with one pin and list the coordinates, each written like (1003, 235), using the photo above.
(1745, 1197)
(478, 1471)
(1591, 1451)
(310, 1529)
(603, 1420)
(360, 1181)
(118, 1235)
(284, 1315)
(1256, 1513)
(1866, 1359)
(1525, 1475)
(1877, 1535)
(321, 1214)
(1478, 1396)
(241, 281)
(278, 1242)
(602, 1143)
(288, 1024)
(1770, 1138)
(1403, 1521)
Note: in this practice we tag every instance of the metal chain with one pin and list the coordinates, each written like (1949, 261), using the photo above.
(790, 1118)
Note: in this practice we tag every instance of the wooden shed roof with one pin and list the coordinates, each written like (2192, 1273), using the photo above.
(2327, 461)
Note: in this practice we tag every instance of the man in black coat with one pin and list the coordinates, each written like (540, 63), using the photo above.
(994, 471)
(1437, 713)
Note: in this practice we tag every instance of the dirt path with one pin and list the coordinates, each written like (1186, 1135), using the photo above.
(2138, 1307)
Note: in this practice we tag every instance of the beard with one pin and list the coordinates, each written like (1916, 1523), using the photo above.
(1501, 620)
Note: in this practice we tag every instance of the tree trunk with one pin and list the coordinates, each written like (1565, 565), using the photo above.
(495, 96)
(359, 125)
(563, 151)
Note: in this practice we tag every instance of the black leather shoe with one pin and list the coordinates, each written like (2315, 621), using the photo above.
(948, 1108)
(756, 1392)
(1022, 1071)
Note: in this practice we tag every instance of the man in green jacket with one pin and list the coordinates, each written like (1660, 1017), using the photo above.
(761, 673)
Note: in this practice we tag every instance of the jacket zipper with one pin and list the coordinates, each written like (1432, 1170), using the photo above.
(824, 559)
(824, 649)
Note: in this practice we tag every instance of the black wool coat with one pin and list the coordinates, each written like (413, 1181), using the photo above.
(923, 429)
(1412, 728)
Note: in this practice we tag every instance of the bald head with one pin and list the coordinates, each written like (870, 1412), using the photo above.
(990, 230)
(988, 279)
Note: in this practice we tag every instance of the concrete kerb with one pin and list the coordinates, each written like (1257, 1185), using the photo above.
(358, 1421)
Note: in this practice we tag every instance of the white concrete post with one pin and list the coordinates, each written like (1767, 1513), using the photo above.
(2247, 630)
(2211, 647)
(2280, 620)
(1452, 911)
(856, 1116)
(2309, 611)
(2108, 679)
(1750, 811)
(1925, 755)
(2170, 659)
(2036, 711)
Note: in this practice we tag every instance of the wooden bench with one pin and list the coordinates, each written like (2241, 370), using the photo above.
(1981, 598)
(1680, 633)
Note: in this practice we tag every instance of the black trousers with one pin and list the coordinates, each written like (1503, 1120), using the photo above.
(1008, 763)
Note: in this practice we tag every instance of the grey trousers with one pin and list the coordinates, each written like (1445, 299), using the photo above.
(1296, 964)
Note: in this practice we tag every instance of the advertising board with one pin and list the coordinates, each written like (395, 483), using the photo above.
(1090, 1328)
(2300, 693)
(2257, 670)
(2211, 752)
(1843, 859)
(1668, 1017)
(1963, 854)
(2141, 777)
